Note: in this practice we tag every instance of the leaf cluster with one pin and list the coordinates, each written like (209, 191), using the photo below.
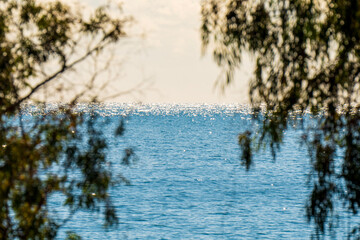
(306, 61)
(57, 151)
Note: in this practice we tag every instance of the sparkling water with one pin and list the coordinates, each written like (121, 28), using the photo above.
(188, 182)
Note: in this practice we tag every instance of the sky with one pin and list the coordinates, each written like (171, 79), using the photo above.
(163, 62)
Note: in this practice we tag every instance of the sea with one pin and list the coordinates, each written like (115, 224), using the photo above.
(187, 181)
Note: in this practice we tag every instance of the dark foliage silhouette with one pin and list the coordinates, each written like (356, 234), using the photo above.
(307, 60)
(40, 43)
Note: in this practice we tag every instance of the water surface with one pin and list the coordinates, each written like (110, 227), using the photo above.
(188, 182)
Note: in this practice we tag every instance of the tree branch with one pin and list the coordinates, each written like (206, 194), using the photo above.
(55, 75)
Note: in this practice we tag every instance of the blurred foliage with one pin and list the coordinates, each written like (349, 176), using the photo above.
(306, 65)
(72, 236)
(59, 150)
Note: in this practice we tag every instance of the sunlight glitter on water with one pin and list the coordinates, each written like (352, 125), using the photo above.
(189, 183)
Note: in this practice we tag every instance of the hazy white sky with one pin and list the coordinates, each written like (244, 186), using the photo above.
(169, 56)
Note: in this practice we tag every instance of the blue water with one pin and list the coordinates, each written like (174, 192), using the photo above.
(188, 182)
